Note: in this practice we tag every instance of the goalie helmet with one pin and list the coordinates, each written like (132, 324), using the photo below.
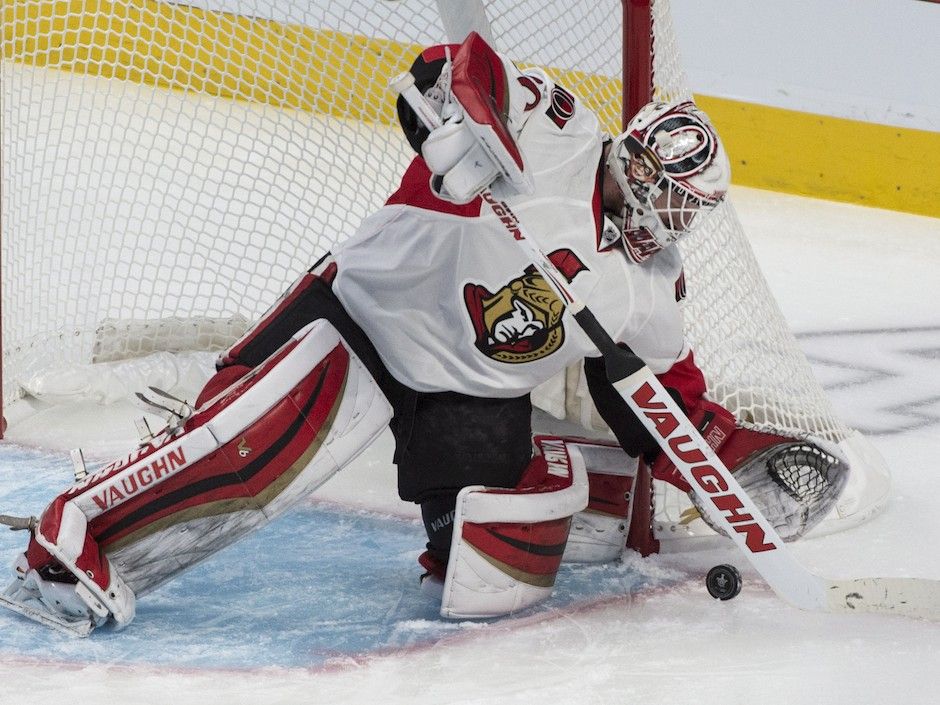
(671, 169)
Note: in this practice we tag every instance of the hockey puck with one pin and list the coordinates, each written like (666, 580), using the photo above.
(723, 582)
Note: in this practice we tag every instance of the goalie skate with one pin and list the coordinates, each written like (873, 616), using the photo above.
(15, 598)
(28, 602)
(19, 598)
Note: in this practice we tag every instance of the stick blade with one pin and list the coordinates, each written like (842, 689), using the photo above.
(909, 597)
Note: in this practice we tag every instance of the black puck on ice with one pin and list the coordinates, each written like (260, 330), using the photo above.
(723, 582)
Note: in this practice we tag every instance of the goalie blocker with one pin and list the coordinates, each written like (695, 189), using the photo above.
(478, 111)
(247, 455)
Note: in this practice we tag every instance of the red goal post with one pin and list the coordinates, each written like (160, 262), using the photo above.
(637, 56)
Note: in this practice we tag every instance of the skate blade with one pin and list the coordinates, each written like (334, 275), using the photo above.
(77, 628)
(19, 523)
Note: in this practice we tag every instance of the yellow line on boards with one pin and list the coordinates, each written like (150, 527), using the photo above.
(231, 56)
(324, 71)
(827, 157)
(216, 53)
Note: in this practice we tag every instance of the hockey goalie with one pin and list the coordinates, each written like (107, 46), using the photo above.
(431, 321)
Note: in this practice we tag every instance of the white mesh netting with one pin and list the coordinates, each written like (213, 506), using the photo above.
(185, 162)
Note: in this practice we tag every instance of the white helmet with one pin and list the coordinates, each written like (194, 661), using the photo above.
(672, 169)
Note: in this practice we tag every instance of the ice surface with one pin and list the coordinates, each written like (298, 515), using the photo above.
(323, 606)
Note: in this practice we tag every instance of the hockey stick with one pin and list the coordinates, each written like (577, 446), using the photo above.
(720, 495)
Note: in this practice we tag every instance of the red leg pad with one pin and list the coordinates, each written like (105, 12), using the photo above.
(220, 381)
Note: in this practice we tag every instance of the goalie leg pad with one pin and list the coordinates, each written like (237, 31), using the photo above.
(275, 437)
(599, 532)
(253, 452)
(508, 543)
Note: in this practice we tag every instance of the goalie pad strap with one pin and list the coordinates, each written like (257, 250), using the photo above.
(508, 543)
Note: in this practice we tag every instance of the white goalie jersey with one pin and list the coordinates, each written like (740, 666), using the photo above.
(451, 304)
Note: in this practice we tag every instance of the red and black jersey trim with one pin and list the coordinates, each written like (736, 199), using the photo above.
(415, 190)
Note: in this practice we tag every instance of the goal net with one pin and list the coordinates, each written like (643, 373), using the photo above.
(169, 168)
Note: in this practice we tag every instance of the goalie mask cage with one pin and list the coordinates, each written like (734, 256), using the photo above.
(169, 168)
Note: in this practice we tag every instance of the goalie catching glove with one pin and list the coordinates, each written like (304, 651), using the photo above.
(795, 482)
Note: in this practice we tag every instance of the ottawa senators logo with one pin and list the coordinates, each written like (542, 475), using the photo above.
(562, 107)
(522, 321)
